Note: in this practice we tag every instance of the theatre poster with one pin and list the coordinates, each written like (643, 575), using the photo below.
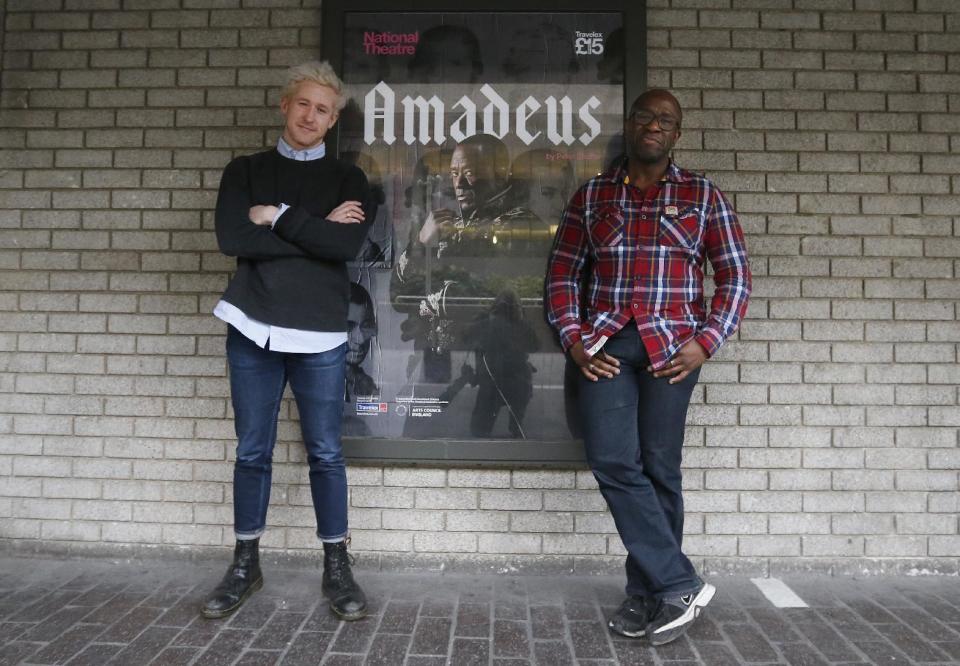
(474, 125)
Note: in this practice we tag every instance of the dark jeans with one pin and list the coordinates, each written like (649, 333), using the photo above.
(257, 379)
(633, 433)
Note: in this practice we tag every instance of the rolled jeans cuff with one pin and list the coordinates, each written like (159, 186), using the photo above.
(249, 536)
(332, 539)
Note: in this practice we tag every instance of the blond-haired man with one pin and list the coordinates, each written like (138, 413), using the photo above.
(292, 216)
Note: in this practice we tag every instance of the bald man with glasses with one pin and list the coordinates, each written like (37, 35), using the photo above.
(625, 293)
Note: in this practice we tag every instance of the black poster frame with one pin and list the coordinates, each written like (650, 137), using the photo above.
(481, 452)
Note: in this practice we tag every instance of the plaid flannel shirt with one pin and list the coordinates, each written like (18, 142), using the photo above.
(622, 253)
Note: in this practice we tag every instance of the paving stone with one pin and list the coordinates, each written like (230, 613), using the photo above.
(547, 622)
(511, 610)
(165, 598)
(591, 640)
(259, 658)
(824, 637)
(473, 620)
(95, 654)
(307, 648)
(254, 614)
(772, 623)
(705, 629)
(354, 637)
(925, 624)
(426, 661)
(952, 648)
(185, 610)
(510, 638)
(634, 652)
(470, 652)
(98, 595)
(722, 610)
(10, 630)
(750, 643)
(437, 608)
(552, 653)
(387, 649)
(129, 626)
(937, 607)
(432, 636)
(55, 625)
(65, 646)
(851, 625)
(576, 611)
(15, 652)
(912, 644)
(717, 654)
(799, 654)
(115, 608)
(678, 650)
(199, 634)
(175, 656)
(46, 606)
(322, 619)
(279, 631)
(399, 617)
(91, 612)
(882, 653)
(225, 648)
(870, 611)
(147, 644)
(343, 660)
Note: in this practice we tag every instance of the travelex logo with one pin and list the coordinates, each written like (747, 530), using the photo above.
(588, 43)
(371, 408)
(390, 43)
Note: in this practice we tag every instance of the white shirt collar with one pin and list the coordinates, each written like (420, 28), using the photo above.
(306, 155)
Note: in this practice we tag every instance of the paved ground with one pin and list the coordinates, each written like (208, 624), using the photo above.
(98, 612)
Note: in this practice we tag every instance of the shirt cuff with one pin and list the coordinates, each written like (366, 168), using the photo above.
(709, 340)
(569, 336)
(283, 209)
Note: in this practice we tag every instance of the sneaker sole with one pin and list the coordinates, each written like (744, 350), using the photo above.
(628, 634)
(216, 615)
(676, 629)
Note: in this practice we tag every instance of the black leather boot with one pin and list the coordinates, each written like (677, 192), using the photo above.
(242, 579)
(347, 600)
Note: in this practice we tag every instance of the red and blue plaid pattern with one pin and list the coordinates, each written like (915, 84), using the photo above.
(621, 253)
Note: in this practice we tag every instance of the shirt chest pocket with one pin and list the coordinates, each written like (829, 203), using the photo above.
(679, 228)
(606, 226)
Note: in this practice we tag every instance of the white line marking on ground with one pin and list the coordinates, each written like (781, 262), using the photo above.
(778, 593)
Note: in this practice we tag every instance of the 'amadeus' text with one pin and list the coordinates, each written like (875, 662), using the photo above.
(423, 119)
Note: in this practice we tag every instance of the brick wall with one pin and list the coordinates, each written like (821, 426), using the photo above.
(825, 435)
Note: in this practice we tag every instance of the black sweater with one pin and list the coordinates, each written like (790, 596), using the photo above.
(295, 274)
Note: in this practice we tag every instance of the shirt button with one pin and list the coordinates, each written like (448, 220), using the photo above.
(636, 305)
(643, 217)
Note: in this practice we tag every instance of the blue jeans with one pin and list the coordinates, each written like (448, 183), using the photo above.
(257, 379)
(633, 434)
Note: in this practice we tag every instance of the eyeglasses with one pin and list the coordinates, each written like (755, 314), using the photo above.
(666, 122)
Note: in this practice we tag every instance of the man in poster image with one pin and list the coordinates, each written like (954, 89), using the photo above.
(292, 216)
(639, 336)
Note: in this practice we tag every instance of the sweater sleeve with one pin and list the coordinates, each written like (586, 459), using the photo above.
(325, 239)
(237, 236)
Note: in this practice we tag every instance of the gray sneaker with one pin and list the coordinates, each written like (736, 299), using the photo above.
(631, 618)
(676, 614)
